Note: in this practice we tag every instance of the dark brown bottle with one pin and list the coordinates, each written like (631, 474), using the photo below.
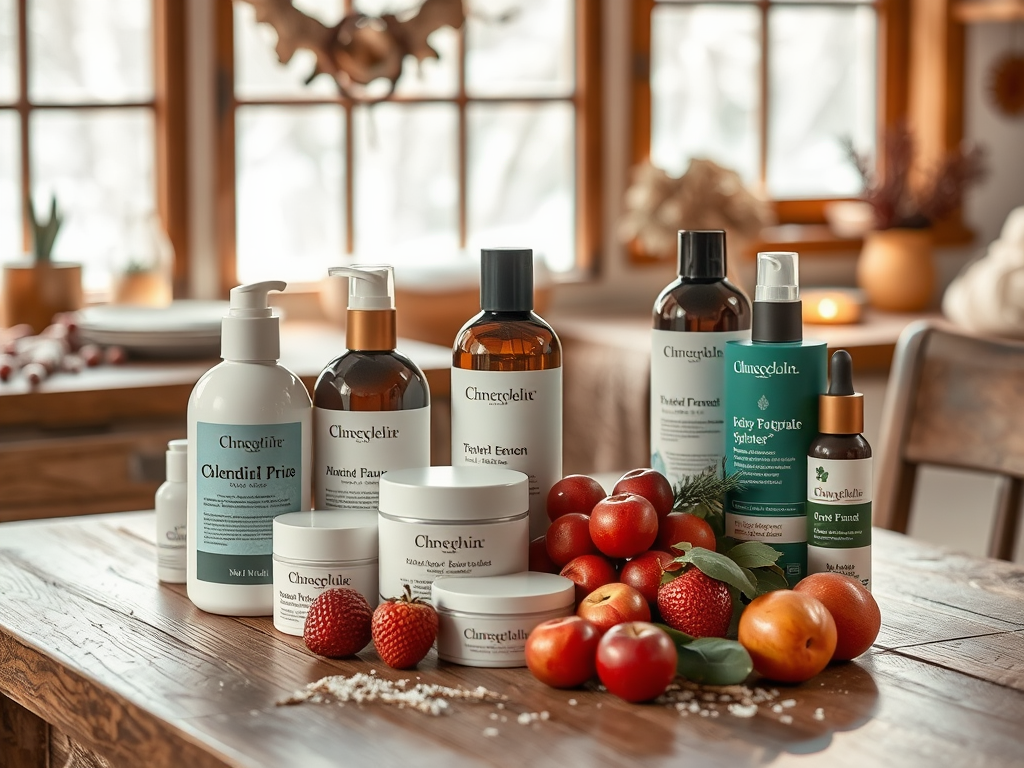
(839, 481)
(371, 405)
(693, 318)
(507, 382)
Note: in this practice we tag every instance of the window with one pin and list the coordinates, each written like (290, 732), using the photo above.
(78, 119)
(488, 144)
(768, 88)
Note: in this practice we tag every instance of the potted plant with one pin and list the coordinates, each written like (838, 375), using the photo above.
(36, 289)
(895, 268)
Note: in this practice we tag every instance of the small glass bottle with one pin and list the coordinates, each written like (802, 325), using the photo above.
(507, 382)
(171, 501)
(839, 481)
(694, 316)
(371, 405)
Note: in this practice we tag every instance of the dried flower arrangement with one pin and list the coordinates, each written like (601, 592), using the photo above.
(707, 196)
(896, 201)
(359, 49)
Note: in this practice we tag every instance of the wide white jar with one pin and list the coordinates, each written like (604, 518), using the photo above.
(484, 621)
(451, 521)
(319, 550)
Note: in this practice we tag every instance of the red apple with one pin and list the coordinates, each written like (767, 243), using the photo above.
(682, 526)
(650, 484)
(636, 661)
(613, 604)
(562, 652)
(569, 537)
(624, 525)
(539, 558)
(589, 572)
(574, 493)
(644, 572)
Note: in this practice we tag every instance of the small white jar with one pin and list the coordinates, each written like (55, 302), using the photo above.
(319, 550)
(451, 521)
(484, 621)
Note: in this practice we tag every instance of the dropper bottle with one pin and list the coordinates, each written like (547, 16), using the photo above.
(839, 481)
(772, 384)
(371, 405)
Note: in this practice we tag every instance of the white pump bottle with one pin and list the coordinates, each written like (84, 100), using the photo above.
(249, 454)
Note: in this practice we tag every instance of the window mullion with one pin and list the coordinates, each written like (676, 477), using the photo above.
(461, 157)
(762, 127)
(24, 108)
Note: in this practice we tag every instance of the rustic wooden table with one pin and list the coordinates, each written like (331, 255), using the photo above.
(96, 656)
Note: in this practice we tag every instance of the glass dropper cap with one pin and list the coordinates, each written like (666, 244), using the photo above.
(777, 277)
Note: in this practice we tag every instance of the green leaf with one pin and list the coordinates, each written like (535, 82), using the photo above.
(714, 661)
(754, 554)
(720, 567)
(769, 581)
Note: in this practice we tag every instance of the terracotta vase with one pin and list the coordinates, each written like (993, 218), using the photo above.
(34, 292)
(896, 269)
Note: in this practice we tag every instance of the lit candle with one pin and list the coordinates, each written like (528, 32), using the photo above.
(832, 306)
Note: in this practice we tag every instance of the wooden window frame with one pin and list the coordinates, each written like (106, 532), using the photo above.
(585, 100)
(169, 120)
(920, 82)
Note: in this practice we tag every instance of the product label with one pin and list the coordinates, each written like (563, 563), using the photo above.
(486, 641)
(771, 392)
(839, 517)
(170, 549)
(512, 420)
(246, 475)
(297, 586)
(417, 553)
(354, 448)
(687, 403)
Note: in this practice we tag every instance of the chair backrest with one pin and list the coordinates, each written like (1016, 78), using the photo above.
(953, 400)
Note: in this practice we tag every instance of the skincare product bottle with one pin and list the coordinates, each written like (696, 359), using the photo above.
(507, 382)
(839, 481)
(772, 384)
(371, 406)
(249, 448)
(693, 319)
(170, 502)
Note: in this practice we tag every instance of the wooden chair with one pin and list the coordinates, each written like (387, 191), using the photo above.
(953, 400)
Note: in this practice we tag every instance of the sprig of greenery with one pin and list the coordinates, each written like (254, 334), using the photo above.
(707, 489)
(44, 232)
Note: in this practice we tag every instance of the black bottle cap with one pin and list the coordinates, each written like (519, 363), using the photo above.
(702, 253)
(841, 379)
(506, 279)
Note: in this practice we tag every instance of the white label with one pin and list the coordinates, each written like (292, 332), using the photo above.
(417, 553)
(484, 641)
(839, 517)
(353, 449)
(297, 586)
(687, 414)
(511, 420)
(839, 481)
(852, 562)
(781, 530)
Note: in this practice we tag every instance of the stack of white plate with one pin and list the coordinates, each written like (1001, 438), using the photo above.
(182, 329)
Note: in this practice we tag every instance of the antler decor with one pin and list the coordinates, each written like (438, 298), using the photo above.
(360, 48)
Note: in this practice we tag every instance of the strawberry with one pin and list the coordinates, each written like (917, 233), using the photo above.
(404, 628)
(696, 604)
(338, 623)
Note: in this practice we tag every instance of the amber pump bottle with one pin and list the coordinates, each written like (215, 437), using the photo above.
(507, 382)
(693, 319)
(839, 481)
(371, 406)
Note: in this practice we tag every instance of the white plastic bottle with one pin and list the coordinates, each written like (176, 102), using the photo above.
(171, 498)
(249, 454)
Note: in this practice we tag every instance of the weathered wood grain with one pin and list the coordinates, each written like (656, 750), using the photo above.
(65, 752)
(23, 737)
(130, 669)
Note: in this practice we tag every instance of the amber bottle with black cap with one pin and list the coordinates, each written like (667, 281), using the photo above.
(507, 382)
(839, 481)
(371, 405)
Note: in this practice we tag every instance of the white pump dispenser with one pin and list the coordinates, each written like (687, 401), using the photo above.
(369, 287)
(249, 459)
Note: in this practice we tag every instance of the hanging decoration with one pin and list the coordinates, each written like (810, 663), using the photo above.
(359, 49)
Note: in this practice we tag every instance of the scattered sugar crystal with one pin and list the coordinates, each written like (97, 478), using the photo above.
(524, 718)
(490, 732)
(500, 705)
(786, 719)
(819, 714)
(714, 713)
(704, 712)
(493, 715)
(787, 703)
(545, 715)
(373, 671)
(572, 702)
(743, 710)
(777, 708)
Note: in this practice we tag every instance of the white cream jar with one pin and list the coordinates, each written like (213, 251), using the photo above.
(451, 521)
(316, 551)
(484, 622)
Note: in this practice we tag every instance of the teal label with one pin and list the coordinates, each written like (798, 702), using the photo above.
(771, 400)
(246, 475)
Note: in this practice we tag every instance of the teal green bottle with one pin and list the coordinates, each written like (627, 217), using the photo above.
(772, 385)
